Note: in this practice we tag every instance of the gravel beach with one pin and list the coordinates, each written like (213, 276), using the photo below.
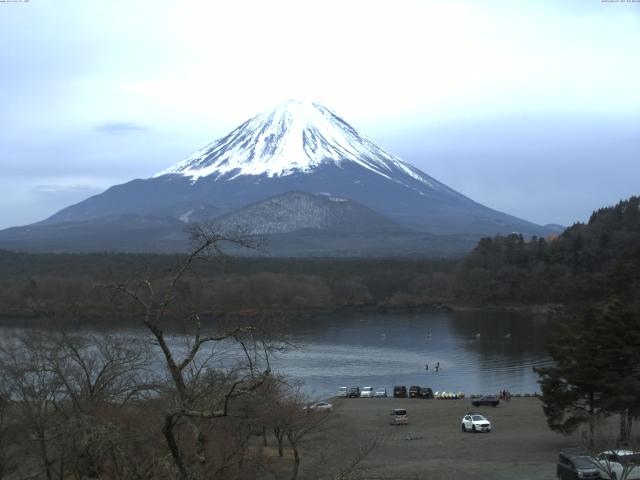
(433, 446)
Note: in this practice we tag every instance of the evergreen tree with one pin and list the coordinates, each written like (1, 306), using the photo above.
(618, 333)
(596, 370)
(573, 388)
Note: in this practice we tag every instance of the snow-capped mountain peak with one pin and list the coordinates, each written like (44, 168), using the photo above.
(295, 136)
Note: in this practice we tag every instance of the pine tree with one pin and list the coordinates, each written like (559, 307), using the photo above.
(596, 370)
(573, 388)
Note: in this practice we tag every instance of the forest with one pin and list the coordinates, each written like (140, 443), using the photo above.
(582, 265)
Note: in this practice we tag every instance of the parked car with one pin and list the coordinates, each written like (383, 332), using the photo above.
(342, 391)
(414, 391)
(380, 393)
(366, 392)
(399, 417)
(320, 407)
(400, 391)
(354, 392)
(426, 392)
(617, 464)
(486, 400)
(574, 464)
(475, 422)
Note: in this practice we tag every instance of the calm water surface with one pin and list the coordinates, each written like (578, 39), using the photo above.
(478, 352)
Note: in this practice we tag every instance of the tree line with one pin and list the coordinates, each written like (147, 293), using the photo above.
(34, 283)
(586, 262)
(580, 265)
(595, 373)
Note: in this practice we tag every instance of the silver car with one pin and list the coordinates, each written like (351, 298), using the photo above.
(380, 393)
(366, 392)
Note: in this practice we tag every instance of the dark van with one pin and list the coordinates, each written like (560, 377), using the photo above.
(354, 392)
(574, 464)
(426, 392)
(414, 391)
(400, 391)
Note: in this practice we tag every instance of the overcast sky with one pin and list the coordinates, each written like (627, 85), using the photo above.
(531, 108)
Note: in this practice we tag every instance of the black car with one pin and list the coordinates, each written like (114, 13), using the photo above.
(400, 391)
(425, 392)
(354, 392)
(414, 391)
(486, 400)
(574, 463)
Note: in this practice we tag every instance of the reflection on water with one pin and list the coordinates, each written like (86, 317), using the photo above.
(477, 352)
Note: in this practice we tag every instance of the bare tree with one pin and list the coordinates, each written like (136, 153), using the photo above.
(200, 390)
(298, 422)
(34, 390)
(8, 462)
(98, 377)
(64, 393)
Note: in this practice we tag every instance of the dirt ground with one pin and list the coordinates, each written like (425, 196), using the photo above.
(432, 446)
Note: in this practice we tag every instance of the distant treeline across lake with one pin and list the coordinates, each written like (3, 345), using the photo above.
(587, 263)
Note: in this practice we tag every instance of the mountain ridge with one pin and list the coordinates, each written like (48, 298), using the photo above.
(302, 147)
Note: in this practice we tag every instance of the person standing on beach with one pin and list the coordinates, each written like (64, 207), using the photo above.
(426, 366)
(437, 366)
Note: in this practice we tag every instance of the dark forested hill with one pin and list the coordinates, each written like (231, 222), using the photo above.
(586, 262)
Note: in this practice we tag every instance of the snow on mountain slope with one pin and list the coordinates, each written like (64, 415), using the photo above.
(295, 137)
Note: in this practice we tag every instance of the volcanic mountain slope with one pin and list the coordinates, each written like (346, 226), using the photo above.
(296, 211)
(291, 224)
(111, 233)
(306, 147)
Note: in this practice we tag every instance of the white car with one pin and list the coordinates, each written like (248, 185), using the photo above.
(380, 393)
(619, 464)
(475, 422)
(320, 407)
(342, 392)
(366, 392)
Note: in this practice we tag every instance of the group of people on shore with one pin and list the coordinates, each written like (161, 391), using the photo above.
(505, 395)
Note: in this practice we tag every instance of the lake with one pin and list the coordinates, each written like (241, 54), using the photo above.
(478, 352)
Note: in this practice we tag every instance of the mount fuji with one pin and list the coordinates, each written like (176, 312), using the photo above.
(296, 147)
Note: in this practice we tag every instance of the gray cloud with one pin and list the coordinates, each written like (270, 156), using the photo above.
(119, 128)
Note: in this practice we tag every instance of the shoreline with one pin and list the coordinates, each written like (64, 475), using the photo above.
(550, 310)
